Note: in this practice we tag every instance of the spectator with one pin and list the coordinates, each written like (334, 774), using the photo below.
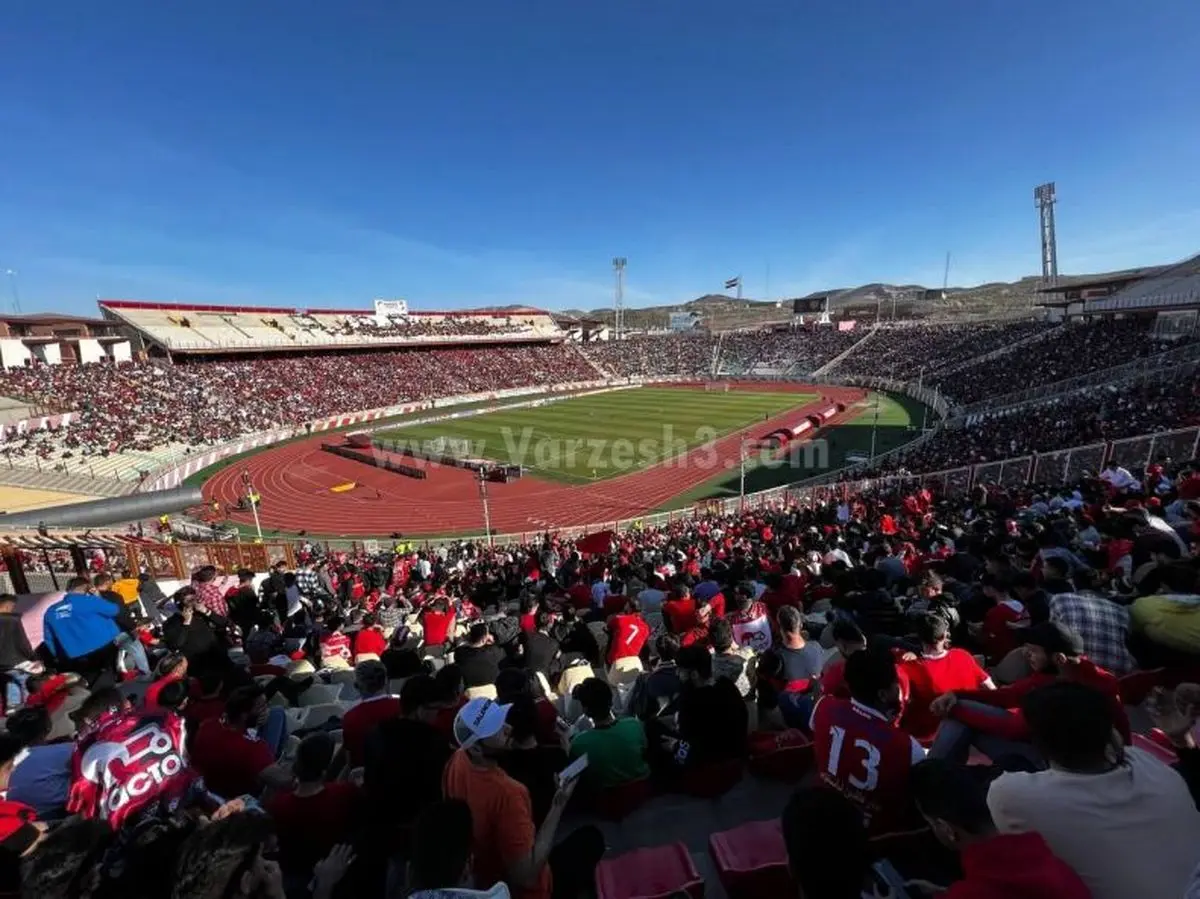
(374, 706)
(1123, 820)
(81, 630)
(441, 863)
(615, 748)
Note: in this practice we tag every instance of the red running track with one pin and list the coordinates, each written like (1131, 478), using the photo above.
(294, 482)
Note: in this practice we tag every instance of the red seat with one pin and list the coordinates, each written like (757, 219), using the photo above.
(751, 861)
(1158, 745)
(785, 756)
(708, 781)
(654, 873)
(616, 803)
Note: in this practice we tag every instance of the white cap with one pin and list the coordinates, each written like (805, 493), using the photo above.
(478, 720)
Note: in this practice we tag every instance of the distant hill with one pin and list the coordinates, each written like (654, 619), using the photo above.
(720, 312)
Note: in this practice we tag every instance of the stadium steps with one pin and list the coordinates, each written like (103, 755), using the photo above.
(63, 483)
(841, 357)
(595, 366)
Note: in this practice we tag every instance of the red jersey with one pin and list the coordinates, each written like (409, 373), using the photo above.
(580, 596)
(528, 622)
(229, 759)
(1001, 626)
(862, 754)
(309, 827)
(932, 676)
(680, 614)
(129, 761)
(717, 602)
(361, 719)
(369, 641)
(627, 634)
(438, 626)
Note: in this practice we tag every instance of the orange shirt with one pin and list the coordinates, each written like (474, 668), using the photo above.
(502, 818)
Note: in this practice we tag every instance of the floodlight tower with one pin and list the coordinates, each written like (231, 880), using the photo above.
(1044, 198)
(619, 263)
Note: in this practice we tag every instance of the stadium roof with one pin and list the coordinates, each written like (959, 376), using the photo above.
(50, 318)
(300, 310)
(1104, 279)
(1173, 286)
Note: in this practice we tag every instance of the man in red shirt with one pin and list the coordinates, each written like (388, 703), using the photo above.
(849, 639)
(992, 721)
(437, 619)
(627, 632)
(369, 641)
(679, 612)
(1003, 623)
(236, 753)
(938, 670)
(861, 752)
(375, 706)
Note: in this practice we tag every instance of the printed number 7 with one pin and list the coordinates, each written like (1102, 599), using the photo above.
(870, 760)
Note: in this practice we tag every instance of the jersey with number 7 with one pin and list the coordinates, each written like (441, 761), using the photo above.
(861, 753)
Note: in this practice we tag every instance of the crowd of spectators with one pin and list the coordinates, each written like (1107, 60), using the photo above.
(428, 326)
(904, 351)
(1068, 352)
(146, 405)
(1096, 415)
(684, 353)
(951, 681)
(799, 351)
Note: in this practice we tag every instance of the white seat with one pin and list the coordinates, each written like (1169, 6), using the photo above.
(319, 714)
(347, 692)
(625, 671)
(296, 718)
(341, 677)
(487, 691)
(319, 694)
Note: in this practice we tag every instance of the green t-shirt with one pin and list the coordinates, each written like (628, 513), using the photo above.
(616, 754)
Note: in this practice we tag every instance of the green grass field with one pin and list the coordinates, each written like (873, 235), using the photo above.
(603, 435)
(900, 420)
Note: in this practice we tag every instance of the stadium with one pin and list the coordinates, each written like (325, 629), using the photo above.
(357, 506)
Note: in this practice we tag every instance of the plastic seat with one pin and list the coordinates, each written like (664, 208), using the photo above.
(708, 781)
(654, 873)
(487, 691)
(337, 678)
(317, 715)
(625, 671)
(785, 755)
(751, 861)
(319, 694)
(618, 802)
(1157, 745)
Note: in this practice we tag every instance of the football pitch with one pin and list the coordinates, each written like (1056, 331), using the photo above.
(588, 438)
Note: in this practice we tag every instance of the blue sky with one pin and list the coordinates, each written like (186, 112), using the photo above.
(309, 152)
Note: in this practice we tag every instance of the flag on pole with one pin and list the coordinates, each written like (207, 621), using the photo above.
(733, 283)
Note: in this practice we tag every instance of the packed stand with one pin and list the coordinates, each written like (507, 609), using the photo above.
(651, 355)
(949, 681)
(1071, 351)
(428, 326)
(902, 352)
(143, 406)
(1092, 416)
(799, 351)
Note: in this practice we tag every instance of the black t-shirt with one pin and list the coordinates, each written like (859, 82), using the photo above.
(541, 650)
(402, 768)
(536, 768)
(480, 665)
(713, 721)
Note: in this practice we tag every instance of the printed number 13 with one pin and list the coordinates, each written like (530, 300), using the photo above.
(870, 760)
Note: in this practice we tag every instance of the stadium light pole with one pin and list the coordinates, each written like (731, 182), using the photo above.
(619, 263)
(874, 427)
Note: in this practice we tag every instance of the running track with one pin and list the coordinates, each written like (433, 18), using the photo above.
(294, 482)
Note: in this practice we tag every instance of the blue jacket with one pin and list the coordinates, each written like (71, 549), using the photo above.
(78, 624)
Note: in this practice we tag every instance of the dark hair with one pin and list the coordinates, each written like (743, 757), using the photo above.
(720, 635)
(522, 717)
(1071, 723)
(419, 691)
(846, 631)
(441, 848)
(65, 858)
(952, 794)
(241, 701)
(696, 658)
(478, 631)
(596, 697)
(102, 578)
(869, 673)
(790, 620)
(932, 628)
(7, 598)
(820, 823)
(512, 682)
(29, 725)
(10, 747)
(449, 681)
(173, 694)
(667, 647)
(97, 703)
(542, 618)
(217, 853)
(245, 574)
(78, 583)
(313, 756)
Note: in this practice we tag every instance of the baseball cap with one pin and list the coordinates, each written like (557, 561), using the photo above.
(1054, 637)
(478, 720)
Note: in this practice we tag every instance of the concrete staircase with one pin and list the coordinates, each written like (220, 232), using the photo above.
(837, 360)
(64, 483)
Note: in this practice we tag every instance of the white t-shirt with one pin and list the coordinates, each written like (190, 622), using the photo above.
(1133, 831)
